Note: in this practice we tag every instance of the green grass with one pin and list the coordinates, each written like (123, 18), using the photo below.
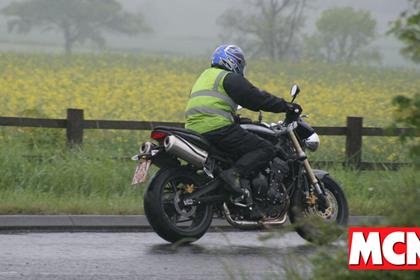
(89, 181)
(31, 202)
(66, 181)
(372, 192)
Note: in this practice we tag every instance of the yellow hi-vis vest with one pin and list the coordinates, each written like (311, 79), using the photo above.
(209, 107)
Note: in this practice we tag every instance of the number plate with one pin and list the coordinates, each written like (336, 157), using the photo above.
(141, 172)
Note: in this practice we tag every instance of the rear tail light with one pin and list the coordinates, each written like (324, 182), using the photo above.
(158, 135)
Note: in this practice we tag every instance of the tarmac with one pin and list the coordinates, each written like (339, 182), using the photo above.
(127, 223)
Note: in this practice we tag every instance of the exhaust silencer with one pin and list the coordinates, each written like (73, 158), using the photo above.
(185, 150)
(146, 148)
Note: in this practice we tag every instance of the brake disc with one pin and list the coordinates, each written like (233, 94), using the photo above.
(330, 213)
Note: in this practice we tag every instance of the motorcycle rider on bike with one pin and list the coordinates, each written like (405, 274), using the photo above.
(211, 111)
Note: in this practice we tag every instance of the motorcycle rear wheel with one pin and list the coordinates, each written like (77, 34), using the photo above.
(166, 214)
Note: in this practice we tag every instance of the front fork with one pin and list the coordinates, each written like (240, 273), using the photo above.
(320, 194)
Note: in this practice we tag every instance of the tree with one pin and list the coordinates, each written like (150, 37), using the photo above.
(407, 114)
(342, 36)
(270, 28)
(407, 29)
(78, 20)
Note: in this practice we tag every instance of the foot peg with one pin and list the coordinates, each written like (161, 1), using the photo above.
(244, 200)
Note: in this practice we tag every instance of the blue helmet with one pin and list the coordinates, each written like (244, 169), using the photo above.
(229, 57)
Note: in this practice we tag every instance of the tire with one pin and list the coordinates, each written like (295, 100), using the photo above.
(311, 224)
(164, 214)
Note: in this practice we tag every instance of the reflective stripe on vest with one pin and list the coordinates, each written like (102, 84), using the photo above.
(203, 110)
(216, 94)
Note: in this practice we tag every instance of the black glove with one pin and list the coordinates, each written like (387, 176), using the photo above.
(294, 108)
(293, 112)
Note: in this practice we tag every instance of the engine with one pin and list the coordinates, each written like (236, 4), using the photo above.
(269, 194)
(268, 183)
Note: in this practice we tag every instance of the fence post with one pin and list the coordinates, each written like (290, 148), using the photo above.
(74, 127)
(354, 141)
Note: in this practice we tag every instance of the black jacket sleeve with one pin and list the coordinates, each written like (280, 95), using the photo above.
(250, 97)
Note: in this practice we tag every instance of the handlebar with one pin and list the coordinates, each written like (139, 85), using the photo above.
(292, 116)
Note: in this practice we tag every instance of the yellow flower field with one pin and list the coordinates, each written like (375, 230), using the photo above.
(129, 87)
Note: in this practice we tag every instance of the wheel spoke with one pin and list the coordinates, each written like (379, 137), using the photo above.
(169, 209)
(173, 186)
(175, 218)
(184, 221)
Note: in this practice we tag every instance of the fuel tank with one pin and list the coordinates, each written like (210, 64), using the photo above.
(261, 131)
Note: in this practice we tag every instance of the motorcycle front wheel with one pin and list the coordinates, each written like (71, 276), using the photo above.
(319, 226)
(164, 209)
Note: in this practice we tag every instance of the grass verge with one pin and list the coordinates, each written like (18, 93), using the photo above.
(91, 182)
(28, 202)
(66, 182)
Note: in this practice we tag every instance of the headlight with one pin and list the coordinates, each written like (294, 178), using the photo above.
(312, 143)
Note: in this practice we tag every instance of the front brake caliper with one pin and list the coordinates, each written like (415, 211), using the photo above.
(311, 199)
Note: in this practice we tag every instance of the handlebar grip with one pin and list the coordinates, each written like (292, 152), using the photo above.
(291, 116)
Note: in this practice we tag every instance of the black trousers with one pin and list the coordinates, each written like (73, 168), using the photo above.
(248, 150)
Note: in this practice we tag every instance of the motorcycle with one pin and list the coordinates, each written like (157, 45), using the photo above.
(185, 194)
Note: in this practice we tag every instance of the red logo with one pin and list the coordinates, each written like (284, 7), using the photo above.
(384, 248)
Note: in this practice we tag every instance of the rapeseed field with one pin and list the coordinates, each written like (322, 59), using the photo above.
(131, 87)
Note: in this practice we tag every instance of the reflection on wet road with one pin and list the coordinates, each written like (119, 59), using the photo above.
(229, 255)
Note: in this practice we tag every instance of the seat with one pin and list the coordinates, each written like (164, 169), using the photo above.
(177, 129)
(190, 135)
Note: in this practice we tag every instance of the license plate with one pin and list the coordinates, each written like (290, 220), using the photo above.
(141, 172)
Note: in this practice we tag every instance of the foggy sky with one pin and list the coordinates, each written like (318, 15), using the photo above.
(188, 27)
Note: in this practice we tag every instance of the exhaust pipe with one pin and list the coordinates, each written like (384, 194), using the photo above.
(183, 149)
(146, 148)
(252, 224)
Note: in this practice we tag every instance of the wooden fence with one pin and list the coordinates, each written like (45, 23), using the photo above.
(75, 124)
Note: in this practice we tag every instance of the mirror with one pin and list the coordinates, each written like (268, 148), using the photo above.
(294, 91)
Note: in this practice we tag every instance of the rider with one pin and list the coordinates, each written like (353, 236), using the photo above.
(211, 111)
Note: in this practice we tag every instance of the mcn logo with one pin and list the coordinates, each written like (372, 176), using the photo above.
(384, 248)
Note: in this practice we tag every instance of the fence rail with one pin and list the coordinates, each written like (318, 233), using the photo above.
(75, 124)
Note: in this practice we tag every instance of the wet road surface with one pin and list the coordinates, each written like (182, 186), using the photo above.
(143, 255)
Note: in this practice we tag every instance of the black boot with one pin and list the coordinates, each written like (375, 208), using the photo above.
(240, 189)
(231, 178)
